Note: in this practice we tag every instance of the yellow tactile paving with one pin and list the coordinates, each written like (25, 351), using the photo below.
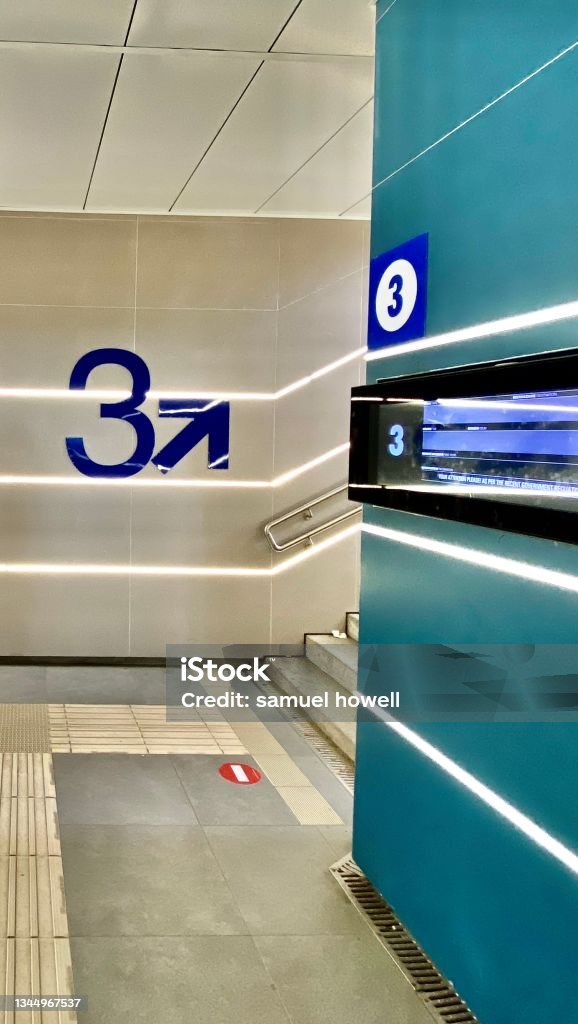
(34, 947)
(308, 806)
(135, 729)
(24, 727)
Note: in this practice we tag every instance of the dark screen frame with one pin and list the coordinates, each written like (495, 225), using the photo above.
(545, 372)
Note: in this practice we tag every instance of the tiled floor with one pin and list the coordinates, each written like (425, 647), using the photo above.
(191, 900)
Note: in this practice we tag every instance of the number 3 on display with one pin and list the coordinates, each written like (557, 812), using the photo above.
(396, 447)
(208, 418)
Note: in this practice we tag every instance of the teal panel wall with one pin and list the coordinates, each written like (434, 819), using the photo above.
(499, 198)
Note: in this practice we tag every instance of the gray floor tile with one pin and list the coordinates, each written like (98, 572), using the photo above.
(290, 738)
(328, 785)
(120, 789)
(339, 979)
(136, 880)
(281, 881)
(201, 980)
(339, 838)
(106, 684)
(218, 802)
(22, 684)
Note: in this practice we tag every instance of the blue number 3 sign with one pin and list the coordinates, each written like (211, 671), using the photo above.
(208, 418)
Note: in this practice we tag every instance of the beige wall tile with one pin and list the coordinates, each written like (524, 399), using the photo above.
(314, 420)
(314, 253)
(201, 527)
(319, 329)
(67, 262)
(314, 596)
(39, 345)
(311, 485)
(63, 616)
(56, 524)
(208, 349)
(199, 610)
(208, 264)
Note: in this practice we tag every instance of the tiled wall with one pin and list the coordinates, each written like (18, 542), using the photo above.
(242, 305)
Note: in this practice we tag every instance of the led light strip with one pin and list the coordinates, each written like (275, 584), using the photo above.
(116, 394)
(474, 556)
(497, 803)
(92, 569)
(25, 480)
(487, 329)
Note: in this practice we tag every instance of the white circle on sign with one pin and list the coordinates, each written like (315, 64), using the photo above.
(396, 295)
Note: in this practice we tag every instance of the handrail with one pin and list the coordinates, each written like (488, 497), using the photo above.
(307, 512)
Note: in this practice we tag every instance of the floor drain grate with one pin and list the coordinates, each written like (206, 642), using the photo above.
(340, 765)
(441, 998)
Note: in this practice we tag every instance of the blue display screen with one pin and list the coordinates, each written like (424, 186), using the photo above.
(521, 442)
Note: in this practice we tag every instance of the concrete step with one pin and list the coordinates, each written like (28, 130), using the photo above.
(300, 677)
(337, 656)
(352, 625)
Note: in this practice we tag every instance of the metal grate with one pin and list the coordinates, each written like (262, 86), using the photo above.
(439, 995)
(340, 765)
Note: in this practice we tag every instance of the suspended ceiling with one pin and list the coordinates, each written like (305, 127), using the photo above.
(187, 106)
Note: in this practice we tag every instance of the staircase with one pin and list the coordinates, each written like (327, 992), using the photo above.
(329, 665)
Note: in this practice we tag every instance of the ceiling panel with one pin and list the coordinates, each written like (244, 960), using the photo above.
(52, 108)
(165, 112)
(331, 26)
(65, 21)
(333, 179)
(219, 24)
(292, 108)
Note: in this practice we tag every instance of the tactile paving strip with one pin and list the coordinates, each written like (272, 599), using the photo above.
(135, 729)
(24, 727)
(34, 947)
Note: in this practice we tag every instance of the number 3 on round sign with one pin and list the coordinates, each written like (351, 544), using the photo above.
(397, 446)
(398, 294)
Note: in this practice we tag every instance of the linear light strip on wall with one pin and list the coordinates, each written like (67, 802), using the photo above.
(94, 569)
(39, 480)
(487, 329)
(474, 556)
(117, 394)
(520, 821)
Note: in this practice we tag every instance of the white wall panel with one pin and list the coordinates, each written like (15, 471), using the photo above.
(330, 26)
(291, 109)
(222, 24)
(52, 107)
(166, 110)
(335, 177)
(65, 21)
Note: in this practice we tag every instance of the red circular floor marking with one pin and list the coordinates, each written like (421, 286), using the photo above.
(241, 774)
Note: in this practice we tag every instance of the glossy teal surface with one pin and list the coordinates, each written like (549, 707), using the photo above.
(500, 202)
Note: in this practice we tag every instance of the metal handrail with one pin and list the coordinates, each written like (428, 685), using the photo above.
(307, 512)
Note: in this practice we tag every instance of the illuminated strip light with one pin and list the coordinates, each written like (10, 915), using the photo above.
(91, 569)
(487, 329)
(490, 403)
(473, 556)
(520, 821)
(87, 481)
(217, 396)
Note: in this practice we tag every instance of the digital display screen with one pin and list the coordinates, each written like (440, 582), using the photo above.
(524, 444)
